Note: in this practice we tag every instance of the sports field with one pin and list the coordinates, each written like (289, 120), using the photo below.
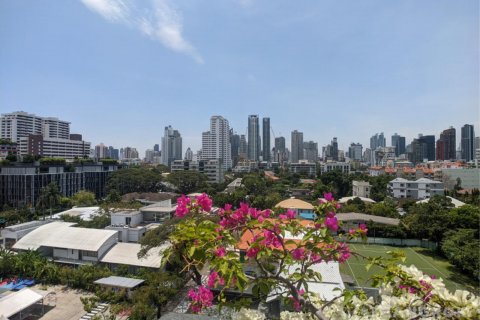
(422, 258)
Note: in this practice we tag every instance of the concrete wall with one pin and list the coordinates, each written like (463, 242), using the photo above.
(120, 218)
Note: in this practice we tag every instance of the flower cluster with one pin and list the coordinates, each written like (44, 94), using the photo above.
(235, 219)
(214, 279)
(185, 205)
(201, 298)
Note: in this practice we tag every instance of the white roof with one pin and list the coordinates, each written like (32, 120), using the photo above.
(63, 235)
(120, 282)
(18, 301)
(345, 199)
(425, 180)
(399, 180)
(325, 289)
(455, 202)
(85, 213)
(126, 253)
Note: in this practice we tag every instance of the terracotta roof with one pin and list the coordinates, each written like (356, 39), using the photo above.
(247, 236)
(293, 203)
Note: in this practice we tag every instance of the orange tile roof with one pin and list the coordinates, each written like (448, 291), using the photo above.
(247, 236)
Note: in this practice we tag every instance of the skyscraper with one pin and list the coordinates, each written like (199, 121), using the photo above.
(101, 151)
(216, 142)
(189, 154)
(399, 143)
(429, 146)
(376, 141)
(297, 146)
(243, 148)
(266, 139)
(235, 147)
(156, 148)
(467, 142)
(253, 138)
(310, 151)
(355, 151)
(335, 149)
(446, 145)
(280, 152)
(171, 146)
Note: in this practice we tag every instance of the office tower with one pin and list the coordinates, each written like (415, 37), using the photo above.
(446, 145)
(113, 153)
(266, 139)
(171, 146)
(355, 151)
(399, 143)
(310, 151)
(253, 138)
(216, 142)
(429, 142)
(189, 154)
(101, 151)
(235, 147)
(418, 151)
(334, 145)
(467, 143)
(279, 151)
(243, 148)
(156, 147)
(297, 146)
(377, 140)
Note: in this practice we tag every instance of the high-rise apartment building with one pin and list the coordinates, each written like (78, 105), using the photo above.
(266, 151)
(130, 153)
(43, 136)
(310, 151)
(101, 151)
(253, 138)
(297, 146)
(171, 146)
(399, 143)
(216, 142)
(446, 145)
(243, 148)
(377, 140)
(467, 143)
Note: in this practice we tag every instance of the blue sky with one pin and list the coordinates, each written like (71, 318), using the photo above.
(122, 70)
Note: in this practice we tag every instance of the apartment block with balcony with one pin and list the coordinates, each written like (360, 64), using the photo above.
(419, 189)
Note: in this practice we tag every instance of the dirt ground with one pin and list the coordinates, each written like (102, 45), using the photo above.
(67, 303)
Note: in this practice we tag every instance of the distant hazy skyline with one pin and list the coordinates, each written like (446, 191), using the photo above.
(120, 71)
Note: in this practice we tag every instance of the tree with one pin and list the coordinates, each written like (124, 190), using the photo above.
(461, 247)
(49, 197)
(282, 265)
(11, 157)
(188, 181)
(136, 179)
(84, 198)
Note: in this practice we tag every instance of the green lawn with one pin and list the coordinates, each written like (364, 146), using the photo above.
(423, 259)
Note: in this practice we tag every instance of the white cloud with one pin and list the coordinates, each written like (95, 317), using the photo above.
(160, 21)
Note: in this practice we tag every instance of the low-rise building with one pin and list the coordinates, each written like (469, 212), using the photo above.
(213, 169)
(332, 166)
(64, 243)
(304, 167)
(419, 189)
(361, 189)
(302, 208)
(469, 177)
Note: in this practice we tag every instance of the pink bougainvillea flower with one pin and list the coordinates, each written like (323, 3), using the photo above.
(328, 196)
(204, 202)
(298, 254)
(283, 217)
(332, 223)
(290, 214)
(182, 206)
(220, 252)
(252, 252)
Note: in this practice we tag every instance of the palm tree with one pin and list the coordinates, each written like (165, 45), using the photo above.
(49, 197)
(7, 263)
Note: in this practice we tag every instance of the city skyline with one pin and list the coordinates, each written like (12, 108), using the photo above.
(353, 69)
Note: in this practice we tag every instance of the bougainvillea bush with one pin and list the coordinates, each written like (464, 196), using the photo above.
(279, 251)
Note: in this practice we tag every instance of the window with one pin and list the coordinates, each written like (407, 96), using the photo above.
(86, 253)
